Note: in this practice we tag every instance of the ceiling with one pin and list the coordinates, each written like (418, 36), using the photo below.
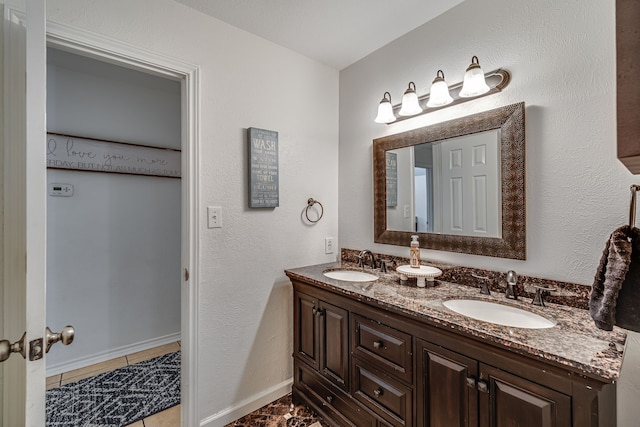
(334, 32)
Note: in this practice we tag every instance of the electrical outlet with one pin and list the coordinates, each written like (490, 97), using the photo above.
(328, 245)
(214, 217)
(407, 211)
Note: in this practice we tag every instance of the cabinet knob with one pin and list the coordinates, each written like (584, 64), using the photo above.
(471, 382)
(329, 399)
(317, 311)
(483, 387)
(377, 344)
(377, 392)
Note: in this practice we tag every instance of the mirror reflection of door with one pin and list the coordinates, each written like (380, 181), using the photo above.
(452, 186)
(470, 168)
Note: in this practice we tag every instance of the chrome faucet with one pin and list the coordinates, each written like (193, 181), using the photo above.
(363, 255)
(511, 291)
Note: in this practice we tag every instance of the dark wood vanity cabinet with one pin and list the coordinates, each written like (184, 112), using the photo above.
(359, 365)
(512, 400)
(322, 338)
(447, 393)
(458, 391)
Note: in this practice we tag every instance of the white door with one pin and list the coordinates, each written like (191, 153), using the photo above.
(471, 185)
(24, 204)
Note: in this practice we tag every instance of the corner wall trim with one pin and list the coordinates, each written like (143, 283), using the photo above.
(244, 407)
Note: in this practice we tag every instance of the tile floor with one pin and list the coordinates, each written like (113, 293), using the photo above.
(281, 413)
(167, 418)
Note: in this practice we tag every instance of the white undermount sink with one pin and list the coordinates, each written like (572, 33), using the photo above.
(350, 275)
(498, 313)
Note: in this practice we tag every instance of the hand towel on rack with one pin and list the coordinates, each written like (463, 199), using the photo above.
(615, 295)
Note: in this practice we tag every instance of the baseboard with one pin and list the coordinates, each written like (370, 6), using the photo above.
(70, 365)
(248, 405)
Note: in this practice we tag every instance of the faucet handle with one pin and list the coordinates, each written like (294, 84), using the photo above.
(484, 288)
(384, 262)
(538, 299)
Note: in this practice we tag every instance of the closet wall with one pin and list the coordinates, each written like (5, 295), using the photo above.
(113, 248)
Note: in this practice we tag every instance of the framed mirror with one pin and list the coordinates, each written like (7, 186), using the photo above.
(459, 185)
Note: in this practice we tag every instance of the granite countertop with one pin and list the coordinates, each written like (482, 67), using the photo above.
(574, 342)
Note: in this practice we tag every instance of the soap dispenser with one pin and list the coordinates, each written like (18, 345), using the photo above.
(414, 252)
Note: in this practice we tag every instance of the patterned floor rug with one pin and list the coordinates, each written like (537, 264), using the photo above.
(117, 398)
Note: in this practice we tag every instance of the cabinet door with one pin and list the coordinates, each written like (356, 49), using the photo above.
(305, 335)
(447, 394)
(514, 401)
(334, 348)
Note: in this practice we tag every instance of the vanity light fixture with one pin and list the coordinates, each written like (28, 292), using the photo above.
(410, 104)
(439, 93)
(476, 84)
(385, 110)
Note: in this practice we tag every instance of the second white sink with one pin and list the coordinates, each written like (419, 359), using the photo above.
(350, 275)
(498, 313)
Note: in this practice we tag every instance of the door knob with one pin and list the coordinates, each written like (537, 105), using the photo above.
(65, 336)
(6, 348)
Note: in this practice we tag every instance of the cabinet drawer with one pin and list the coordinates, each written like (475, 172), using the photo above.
(386, 396)
(385, 347)
(345, 411)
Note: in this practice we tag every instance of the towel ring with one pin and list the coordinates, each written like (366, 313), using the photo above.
(310, 203)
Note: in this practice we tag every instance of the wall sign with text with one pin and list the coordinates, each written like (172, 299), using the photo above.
(263, 168)
(70, 152)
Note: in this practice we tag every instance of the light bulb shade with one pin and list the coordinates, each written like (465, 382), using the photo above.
(385, 110)
(474, 84)
(439, 93)
(410, 104)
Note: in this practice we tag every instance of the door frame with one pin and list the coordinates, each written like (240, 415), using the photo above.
(99, 47)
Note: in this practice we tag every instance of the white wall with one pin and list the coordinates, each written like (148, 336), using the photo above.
(562, 59)
(245, 301)
(113, 249)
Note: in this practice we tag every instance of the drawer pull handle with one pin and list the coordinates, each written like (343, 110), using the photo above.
(483, 387)
(471, 382)
(377, 392)
(329, 399)
(377, 344)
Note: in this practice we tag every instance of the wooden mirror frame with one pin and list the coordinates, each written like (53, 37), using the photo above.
(512, 244)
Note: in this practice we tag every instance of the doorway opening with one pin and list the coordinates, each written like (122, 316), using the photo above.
(113, 217)
(125, 56)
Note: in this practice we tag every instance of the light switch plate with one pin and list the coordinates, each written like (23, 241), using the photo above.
(214, 217)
